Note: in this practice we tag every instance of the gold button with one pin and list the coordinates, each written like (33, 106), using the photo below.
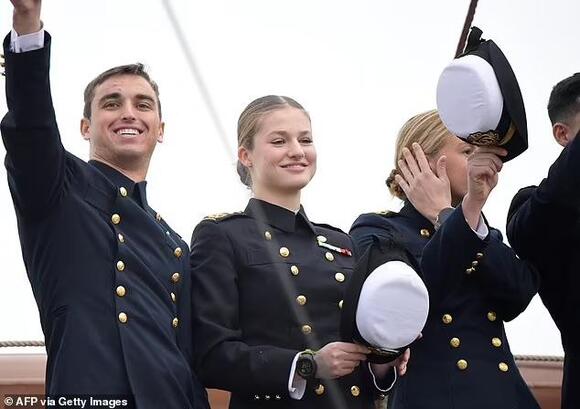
(301, 300)
(319, 389)
(268, 235)
(479, 256)
(496, 342)
(123, 191)
(340, 304)
(284, 252)
(116, 219)
(158, 217)
(122, 317)
(178, 252)
(339, 277)
(120, 265)
(447, 318)
(121, 238)
(306, 329)
(321, 239)
(474, 263)
(121, 291)
(173, 297)
(469, 270)
(491, 316)
(329, 256)
(425, 233)
(462, 364)
(294, 270)
(455, 342)
(503, 367)
(354, 390)
(175, 322)
(175, 277)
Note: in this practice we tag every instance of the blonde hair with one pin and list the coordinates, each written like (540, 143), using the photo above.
(249, 124)
(429, 132)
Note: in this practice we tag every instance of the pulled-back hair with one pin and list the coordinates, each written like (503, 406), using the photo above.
(428, 131)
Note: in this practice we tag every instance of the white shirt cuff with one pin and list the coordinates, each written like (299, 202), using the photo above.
(296, 385)
(482, 231)
(26, 42)
(375, 379)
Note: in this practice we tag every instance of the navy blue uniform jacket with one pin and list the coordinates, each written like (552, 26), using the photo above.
(265, 289)
(104, 268)
(543, 227)
(463, 359)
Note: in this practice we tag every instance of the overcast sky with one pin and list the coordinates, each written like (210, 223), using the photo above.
(361, 68)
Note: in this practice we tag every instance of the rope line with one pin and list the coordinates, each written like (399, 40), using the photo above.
(8, 344)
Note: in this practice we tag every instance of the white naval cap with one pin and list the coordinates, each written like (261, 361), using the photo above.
(469, 97)
(386, 303)
(479, 98)
(392, 307)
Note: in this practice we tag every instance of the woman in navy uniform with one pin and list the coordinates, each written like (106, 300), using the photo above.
(268, 283)
(475, 281)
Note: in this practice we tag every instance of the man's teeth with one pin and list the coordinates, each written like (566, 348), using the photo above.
(128, 131)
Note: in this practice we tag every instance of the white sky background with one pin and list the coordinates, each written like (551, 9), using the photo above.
(361, 68)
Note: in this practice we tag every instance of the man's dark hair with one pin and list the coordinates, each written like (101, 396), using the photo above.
(130, 69)
(564, 100)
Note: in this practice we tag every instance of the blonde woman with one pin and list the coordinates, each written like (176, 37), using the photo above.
(475, 281)
(268, 283)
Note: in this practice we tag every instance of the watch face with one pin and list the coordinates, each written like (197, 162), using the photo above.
(307, 367)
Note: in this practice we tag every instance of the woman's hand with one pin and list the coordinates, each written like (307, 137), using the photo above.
(428, 192)
(483, 167)
(380, 370)
(338, 359)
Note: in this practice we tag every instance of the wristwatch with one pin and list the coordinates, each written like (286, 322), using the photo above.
(306, 365)
(442, 216)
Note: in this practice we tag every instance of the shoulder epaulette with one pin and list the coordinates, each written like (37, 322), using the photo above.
(218, 217)
(385, 213)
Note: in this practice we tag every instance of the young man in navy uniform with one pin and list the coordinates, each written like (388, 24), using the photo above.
(543, 228)
(110, 277)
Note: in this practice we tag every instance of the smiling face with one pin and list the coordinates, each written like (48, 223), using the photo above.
(124, 124)
(282, 159)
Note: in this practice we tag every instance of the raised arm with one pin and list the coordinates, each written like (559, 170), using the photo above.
(35, 155)
(456, 251)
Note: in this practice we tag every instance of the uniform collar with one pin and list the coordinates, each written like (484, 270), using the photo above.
(138, 191)
(277, 216)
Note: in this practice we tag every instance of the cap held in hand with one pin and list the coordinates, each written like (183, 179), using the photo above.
(386, 304)
(479, 99)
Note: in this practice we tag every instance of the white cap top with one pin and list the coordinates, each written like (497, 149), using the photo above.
(393, 306)
(469, 98)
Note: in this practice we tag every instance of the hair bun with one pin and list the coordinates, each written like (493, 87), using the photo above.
(393, 186)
